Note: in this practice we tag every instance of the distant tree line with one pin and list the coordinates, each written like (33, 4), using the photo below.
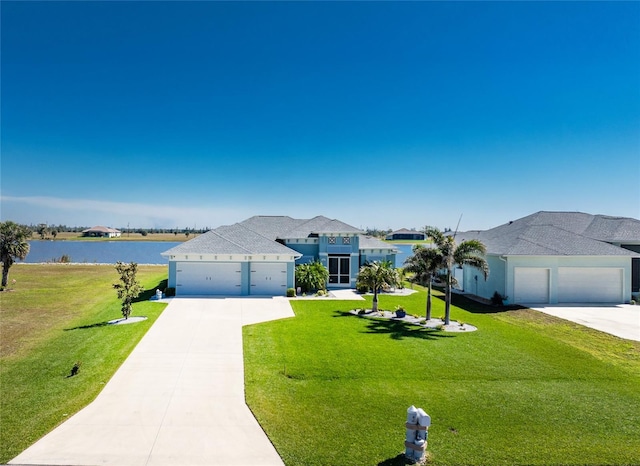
(377, 232)
(47, 231)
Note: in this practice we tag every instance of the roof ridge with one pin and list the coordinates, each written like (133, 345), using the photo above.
(231, 241)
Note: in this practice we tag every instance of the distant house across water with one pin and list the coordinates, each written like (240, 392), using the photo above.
(405, 234)
(100, 231)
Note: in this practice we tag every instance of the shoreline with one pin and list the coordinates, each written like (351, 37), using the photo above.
(84, 263)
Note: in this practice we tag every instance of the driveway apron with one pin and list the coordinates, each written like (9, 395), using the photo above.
(178, 399)
(622, 320)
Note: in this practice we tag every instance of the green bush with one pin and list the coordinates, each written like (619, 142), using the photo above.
(497, 299)
(291, 293)
(312, 276)
(362, 289)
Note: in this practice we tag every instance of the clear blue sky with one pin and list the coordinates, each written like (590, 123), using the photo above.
(380, 114)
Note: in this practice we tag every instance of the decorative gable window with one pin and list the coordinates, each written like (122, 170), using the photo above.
(346, 240)
(332, 240)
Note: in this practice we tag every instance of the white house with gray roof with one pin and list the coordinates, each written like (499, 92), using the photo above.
(257, 256)
(559, 257)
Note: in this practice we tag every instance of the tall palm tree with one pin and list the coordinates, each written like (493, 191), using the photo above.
(13, 245)
(470, 252)
(376, 276)
(425, 264)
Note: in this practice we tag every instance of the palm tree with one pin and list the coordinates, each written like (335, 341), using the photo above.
(311, 276)
(376, 276)
(13, 245)
(425, 264)
(470, 252)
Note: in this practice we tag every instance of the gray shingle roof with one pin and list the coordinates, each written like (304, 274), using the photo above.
(271, 226)
(231, 239)
(560, 233)
(370, 242)
(258, 234)
(287, 227)
(405, 231)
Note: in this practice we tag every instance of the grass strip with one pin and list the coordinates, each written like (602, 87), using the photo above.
(55, 316)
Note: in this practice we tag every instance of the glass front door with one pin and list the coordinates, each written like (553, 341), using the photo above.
(339, 270)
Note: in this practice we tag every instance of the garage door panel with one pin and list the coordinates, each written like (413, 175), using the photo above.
(268, 278)
(590, 285)
(531, 285)
(209, 278)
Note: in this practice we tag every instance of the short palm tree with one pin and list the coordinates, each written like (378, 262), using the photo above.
(424, 264)
(470, 252)
(13, 245)
(377, 276)
(312, 276)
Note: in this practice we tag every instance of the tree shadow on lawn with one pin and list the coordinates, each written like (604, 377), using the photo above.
(397, 329)
(86, 327)
(399, 460)
(146, 295)
(475, 307)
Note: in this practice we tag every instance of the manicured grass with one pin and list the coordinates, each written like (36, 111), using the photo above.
(56, 315)
(332, 388)
(407, 241)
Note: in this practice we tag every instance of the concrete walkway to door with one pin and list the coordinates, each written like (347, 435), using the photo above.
(177, 400)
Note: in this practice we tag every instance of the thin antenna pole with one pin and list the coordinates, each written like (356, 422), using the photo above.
(457, 226)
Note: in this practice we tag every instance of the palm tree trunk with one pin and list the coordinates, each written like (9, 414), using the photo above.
(5, 274)
(429, 301)
(374, 308)
(447, 300)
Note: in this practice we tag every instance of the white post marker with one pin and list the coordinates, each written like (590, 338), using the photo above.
(417, 426)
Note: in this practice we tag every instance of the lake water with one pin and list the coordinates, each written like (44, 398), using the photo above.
(110, 252)
(100, 252)
(405, 251)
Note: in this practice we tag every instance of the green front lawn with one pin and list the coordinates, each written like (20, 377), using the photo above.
(331, 388)
(56, 315)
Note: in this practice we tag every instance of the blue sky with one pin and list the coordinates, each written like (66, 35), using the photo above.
(381, 114)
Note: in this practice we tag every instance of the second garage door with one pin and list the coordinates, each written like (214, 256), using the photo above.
(268, 278)
(531, 285)
(589, 285)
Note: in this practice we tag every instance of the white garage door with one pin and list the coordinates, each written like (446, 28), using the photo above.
(208, 278)
(531, 285)
(589, 285)
(268, 278)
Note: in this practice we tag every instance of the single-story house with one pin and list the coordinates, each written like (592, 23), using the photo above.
(559, 257)
(403, 233)
(258, 256)
(100, 231)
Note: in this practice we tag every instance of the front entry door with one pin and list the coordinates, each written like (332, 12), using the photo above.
(340, 270)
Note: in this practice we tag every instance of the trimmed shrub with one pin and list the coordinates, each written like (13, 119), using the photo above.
(497, 299)
(291, 293)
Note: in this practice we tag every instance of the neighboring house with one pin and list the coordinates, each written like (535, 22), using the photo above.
(100, 231)
(403, 233)
(559, 257)
(258, 256)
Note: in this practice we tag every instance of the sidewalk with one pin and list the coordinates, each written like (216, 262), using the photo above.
(177, 400)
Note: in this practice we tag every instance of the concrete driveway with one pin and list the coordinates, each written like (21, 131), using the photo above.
(177, 400)
(621, 320)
